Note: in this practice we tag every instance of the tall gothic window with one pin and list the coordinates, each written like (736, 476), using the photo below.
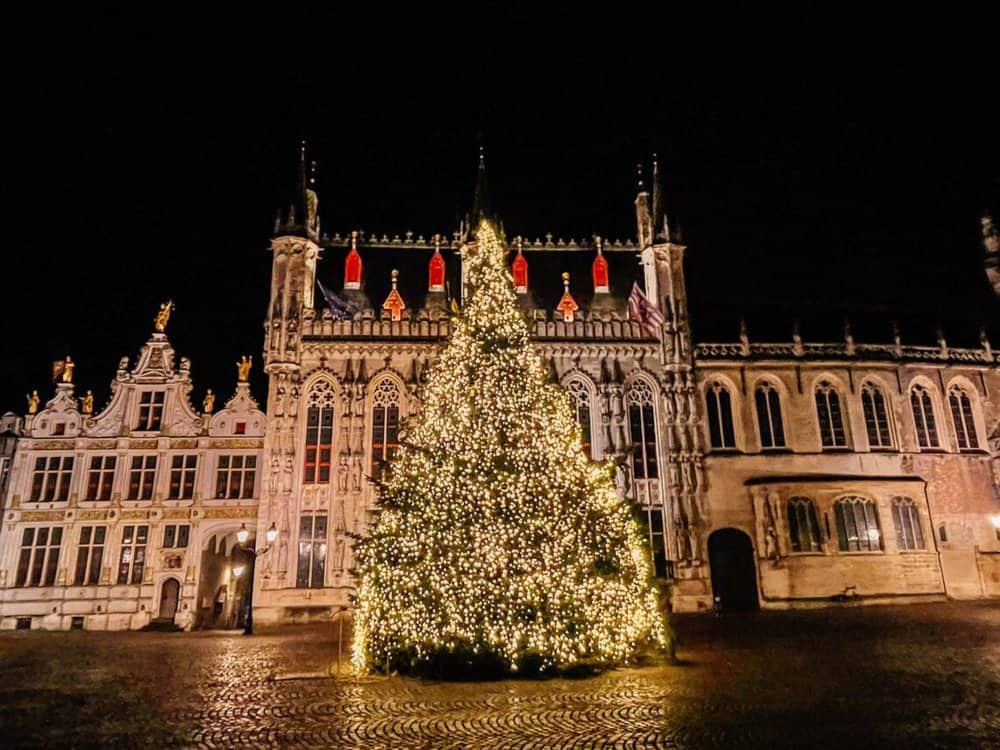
(720, 416)
(642, 429)
(579, 396)
(923, 417)
(803, 527)
(319, 432)
(312, 551)
(961, 416)
(772, 431)
(906, 520)
(876, 417)
(385, 424)
(857, 525)
(831, 420)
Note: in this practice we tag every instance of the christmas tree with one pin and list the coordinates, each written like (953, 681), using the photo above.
(497, 540)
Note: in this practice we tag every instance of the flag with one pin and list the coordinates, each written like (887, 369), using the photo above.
(339, 308)
(644, 311)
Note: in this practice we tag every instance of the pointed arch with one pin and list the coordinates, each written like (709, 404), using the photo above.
(386, 397)
(925, 412)
(963, 403)
(321, 407)
(581, 395)
(770, 422)
(875, 406)
(830, 415)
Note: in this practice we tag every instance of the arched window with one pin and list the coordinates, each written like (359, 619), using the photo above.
(831, 421)
(579, 396)
(319, 432)
(876, 416)
(961, 415)
(385, 424)
(642, 428)
(857, 525)
(772, 432)
(906, 520)
(720, 416)
(803, 527)
(923, 417)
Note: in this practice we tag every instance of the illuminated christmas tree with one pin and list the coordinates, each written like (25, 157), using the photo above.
(498, 542)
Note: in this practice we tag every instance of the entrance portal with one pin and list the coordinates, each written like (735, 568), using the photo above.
(734, 574)
(169, 595)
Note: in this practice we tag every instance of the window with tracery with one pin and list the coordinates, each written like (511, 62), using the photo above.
(876, 416)
(961, 417)
(579, 395)
(720, 416)
(831, 420)
(803, 526)
(385, 424)
(321, 402)
(642, 429)
(857, 525)
(768, 402)
(906, 520)
(923, 417)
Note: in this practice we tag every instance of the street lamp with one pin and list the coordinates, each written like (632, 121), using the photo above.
(242, 536)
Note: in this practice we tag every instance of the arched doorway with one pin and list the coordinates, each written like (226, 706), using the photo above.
(169, 596)
(734, 574)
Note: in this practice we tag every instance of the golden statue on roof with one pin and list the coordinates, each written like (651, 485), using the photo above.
(163, 316)
(243, 368)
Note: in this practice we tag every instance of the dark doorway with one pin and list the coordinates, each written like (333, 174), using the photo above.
(734, 575)
(169, 594)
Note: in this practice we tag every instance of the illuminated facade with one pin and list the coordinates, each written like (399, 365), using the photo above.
(129, 516)
(768, 474)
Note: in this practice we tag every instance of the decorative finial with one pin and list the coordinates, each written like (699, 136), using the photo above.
(567, 305)
(394, 302)
(354, 239)
(482, 155)
(395, 277)
(243, 369)
(599, 243)
(163, 316)
(638, 169)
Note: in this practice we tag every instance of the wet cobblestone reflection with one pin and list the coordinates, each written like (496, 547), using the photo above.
(917, 676)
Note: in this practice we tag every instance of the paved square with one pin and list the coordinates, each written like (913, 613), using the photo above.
(916, 676)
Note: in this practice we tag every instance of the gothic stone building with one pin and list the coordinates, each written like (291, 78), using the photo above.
(771, 475)
(117, 519)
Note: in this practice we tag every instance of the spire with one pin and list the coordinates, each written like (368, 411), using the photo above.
(567, 305)
(519, 269)
(301, 217)
(353, 265)
(394, 302)
(600, 269)
(657, 197)
(481, 197)
(643, 219)
(436, 268)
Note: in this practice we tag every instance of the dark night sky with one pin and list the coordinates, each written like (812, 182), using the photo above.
(840, 174)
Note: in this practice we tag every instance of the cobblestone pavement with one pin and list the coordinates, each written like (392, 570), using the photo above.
(916, 676)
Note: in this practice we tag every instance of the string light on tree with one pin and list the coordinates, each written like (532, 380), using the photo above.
(497, 539)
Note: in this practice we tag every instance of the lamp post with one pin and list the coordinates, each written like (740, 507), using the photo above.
(242, 536)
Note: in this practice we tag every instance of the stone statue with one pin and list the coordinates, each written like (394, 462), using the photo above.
(243, 368)
(209, 403)
(163, 316)
(33, 402)
(67, 373)
(87, 403)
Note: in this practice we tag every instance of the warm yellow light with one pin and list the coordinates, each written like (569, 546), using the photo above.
(242, 535)
(996, 521)
(238, 570)
(271, 534)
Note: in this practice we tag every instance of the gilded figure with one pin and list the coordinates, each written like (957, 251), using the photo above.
(209, 403)
(87, 403)
(67, 373)
(243, 368)
(163, 316)
(33, 402)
